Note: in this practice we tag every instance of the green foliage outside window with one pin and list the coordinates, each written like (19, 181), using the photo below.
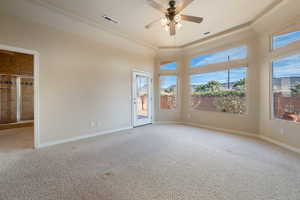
(226, 99)
(296, 89)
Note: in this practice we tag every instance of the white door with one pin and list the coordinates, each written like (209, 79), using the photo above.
(142, 98)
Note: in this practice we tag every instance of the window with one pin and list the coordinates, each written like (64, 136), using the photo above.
(281, 40)
(168, 92)
(286, 88)
(221, 91)
(168, 65)
(219, 57)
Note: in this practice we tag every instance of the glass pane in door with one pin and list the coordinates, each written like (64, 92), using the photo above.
(142, 96)
(8, 99)
(27, 99)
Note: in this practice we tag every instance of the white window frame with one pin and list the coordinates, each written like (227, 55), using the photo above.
(216, 50)
(169, 70)
(287, 51)
(170, 73)
(219, 67)
(290, 28)
(280, 53)
(176, 97)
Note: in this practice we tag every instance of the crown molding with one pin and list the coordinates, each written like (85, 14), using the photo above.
(96, 23)
(89, 21)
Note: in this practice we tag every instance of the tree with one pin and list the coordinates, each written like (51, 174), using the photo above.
(296, 89)
(169, 90)
(200, 88)
(240, 85)
(211, 86)
(214, 86)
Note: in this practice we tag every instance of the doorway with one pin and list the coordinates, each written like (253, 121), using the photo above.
(142, 98)
(18, 99)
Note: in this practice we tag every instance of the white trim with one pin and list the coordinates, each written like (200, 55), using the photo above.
(19, 94)
(36, 56)
(133, 96)
(48, 144)
(262, 137)
(176, 95)
(294, 149)
(168, 122)
(236, 132)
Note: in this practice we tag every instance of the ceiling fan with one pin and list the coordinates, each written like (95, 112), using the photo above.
(172, 19)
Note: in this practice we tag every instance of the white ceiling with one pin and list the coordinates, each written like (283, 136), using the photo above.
(133, 15)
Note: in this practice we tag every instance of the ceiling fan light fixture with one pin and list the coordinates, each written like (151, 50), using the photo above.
(167, 28)
(164, 21)
(178, 25)
(177, 18)
(172, 20)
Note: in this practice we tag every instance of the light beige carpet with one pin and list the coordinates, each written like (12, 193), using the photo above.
(153, 162)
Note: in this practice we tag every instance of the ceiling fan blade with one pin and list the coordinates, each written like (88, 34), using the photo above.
(192, 18)
(156, 6)
(152, 23)
(172, 29)
(182, 5)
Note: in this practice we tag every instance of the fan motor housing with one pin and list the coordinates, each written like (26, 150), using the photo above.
(172, 10)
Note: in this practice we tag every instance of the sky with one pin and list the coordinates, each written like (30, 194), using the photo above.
(221, 56)
(285, 67)
(236, 74)
(285, 39)
(167, 81)
(142, 81)
(170, 66)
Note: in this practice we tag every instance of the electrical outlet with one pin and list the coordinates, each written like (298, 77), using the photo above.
(189, 116)
(98, 124)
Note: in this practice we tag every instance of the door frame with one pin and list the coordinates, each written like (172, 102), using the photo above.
(36, 63)
(133, 92)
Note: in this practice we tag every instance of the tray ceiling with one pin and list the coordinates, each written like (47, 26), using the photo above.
(133, 15)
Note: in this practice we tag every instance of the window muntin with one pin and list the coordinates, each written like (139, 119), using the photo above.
(168, 92)
(168, 66)
(286, 88)
(219, 57)
(221, 91)
(285, 39)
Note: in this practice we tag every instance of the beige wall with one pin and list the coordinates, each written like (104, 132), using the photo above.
(80, 80)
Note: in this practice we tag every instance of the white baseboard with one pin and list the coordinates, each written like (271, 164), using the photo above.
(294, 149)
(48, 144)
(167, 122)
(262, 137)
(222, 130)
